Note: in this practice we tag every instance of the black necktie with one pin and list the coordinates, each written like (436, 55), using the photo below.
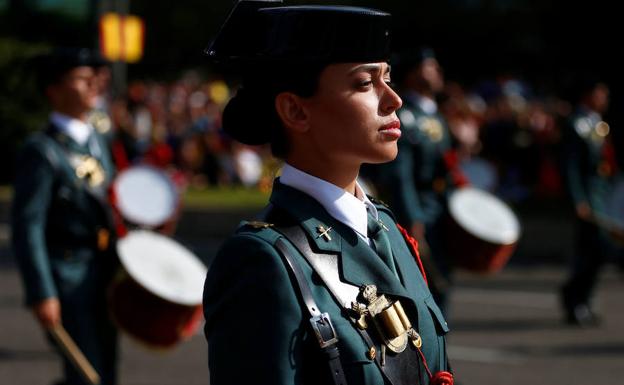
(381, 243)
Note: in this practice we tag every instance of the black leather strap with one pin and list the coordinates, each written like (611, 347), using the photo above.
(394, 372)
(321, 323)
(298, 238)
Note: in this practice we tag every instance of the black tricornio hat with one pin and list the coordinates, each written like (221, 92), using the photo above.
(263, 31)
(53, 65)
(278, 48)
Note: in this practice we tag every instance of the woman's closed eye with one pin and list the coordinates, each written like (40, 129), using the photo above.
(367, 83)
(364, 83)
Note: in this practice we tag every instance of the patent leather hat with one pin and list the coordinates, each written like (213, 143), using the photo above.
(264, 31)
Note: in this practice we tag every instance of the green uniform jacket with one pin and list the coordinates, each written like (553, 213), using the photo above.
(256, 326)
(55, 218)
(589, 176)
(418, 165)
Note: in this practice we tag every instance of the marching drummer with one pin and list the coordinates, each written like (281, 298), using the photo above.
(425, 171)
(62, 234)
(590, 168)
(325, 288)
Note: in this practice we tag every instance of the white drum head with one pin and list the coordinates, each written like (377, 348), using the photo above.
(145, 196)
(163, 267)
(484, 216)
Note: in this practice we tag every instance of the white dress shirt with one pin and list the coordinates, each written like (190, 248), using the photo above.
(76, 129)
(428, 105)
(344, 207)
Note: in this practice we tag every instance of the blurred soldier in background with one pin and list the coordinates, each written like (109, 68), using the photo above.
(62, 231)
(590, 166)
(425, 170)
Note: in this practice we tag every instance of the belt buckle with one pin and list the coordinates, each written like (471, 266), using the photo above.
(322, 321)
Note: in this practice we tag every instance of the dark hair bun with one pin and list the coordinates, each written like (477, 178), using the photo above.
(248, 117)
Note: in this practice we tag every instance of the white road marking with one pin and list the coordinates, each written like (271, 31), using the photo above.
(484, 355)
(506, 298)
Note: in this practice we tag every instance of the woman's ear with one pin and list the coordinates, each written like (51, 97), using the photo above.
(292, 111)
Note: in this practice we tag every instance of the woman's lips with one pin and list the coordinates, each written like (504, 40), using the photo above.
(392, 129)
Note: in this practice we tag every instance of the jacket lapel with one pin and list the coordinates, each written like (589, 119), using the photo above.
(66, 141)
(72, 147)
(358, 263)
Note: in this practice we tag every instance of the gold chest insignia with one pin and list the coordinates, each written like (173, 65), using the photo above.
(389, 318)
(89, 169)
(432, 128)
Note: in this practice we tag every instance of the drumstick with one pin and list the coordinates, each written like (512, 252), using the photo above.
(613, 227)
(73, 353)
(607, 223)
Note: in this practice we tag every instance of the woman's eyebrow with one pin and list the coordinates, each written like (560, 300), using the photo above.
(369, 67)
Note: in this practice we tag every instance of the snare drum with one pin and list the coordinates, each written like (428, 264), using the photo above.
(145, 197)
(483, 230)
(157, 297)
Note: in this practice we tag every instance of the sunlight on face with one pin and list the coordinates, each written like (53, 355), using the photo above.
(76, 91)
(353, 114)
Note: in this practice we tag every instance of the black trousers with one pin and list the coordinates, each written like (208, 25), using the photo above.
(592, 253)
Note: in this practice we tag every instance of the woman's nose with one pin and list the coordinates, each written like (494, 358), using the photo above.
(391, 101)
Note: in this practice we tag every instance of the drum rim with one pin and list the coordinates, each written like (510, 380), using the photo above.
(517, 228)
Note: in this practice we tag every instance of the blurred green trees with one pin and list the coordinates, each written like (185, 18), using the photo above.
(22, 108)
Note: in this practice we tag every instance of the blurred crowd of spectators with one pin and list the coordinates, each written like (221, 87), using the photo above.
(177, 126)
(507, 136)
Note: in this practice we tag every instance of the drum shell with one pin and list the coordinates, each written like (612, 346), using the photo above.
(475, 254)
(152, 320)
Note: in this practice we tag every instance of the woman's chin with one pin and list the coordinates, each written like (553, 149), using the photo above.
(387, 154)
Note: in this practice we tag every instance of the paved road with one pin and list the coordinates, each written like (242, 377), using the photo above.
(506, 329)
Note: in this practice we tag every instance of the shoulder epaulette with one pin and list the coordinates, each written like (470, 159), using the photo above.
(378, 201)
(257, 224)
(383, 206)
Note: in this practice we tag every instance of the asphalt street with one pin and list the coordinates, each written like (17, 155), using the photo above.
(506, 329)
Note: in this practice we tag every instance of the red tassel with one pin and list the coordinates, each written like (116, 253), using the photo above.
(442, 378)
(608, 155)
(413, 243)
(451, 160)
(119, 156)
(438, 378)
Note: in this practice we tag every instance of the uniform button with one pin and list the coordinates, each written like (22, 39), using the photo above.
(371, 353)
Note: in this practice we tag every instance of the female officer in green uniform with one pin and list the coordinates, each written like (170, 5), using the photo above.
(325, 288)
